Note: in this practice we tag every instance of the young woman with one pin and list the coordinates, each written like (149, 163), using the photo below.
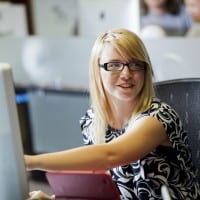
(128, 131)
(168, 15)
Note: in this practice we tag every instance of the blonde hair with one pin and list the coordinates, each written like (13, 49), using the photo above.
(129, 45)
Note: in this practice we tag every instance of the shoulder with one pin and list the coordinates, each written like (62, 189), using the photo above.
(166, 114)
(159, 107)
(161, 111)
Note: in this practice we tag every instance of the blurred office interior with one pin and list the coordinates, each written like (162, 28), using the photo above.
(48, 43)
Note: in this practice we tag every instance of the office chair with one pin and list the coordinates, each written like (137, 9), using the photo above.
(184, 96)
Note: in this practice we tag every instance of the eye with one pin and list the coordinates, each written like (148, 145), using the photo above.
(132, 64)
(137, 65)
(112, 65)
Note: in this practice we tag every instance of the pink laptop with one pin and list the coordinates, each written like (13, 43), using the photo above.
(90, 185)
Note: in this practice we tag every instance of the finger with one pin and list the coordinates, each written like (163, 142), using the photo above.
(35, 194)
(53, 197)
(40, 195)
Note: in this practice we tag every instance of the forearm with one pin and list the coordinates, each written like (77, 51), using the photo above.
(85, 158)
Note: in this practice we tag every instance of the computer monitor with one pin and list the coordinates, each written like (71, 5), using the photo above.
(96, 16)
(174, 57)
(55, 115)
(13, 177)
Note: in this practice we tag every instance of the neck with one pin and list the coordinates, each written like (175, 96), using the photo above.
(121, 114)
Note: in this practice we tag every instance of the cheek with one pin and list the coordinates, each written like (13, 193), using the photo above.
(108, 80)
(139, 78)
(105, 78)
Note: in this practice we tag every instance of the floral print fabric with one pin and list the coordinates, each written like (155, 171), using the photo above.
(169, 166)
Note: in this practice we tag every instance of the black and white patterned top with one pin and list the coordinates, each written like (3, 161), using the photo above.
(170, 166)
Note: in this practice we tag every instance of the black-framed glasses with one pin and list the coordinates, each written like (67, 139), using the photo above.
(116, 66)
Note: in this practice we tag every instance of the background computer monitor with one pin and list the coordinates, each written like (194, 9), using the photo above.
(96, 16)
(174, 57)
(13, 177)
(54, 118)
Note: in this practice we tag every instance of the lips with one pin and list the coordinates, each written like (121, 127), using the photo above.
(127, 85)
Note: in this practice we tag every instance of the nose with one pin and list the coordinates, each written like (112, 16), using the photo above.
(126, 69)
(125, 73)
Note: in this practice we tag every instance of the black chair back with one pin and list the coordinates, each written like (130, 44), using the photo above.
(184, 96)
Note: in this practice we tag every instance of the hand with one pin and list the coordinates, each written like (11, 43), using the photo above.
(39, 195)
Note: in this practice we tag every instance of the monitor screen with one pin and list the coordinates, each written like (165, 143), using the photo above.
(98, 16)
(174, 57)
(13, 177)
(56, 114)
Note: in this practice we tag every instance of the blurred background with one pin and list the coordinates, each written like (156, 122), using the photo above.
(48, 43)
